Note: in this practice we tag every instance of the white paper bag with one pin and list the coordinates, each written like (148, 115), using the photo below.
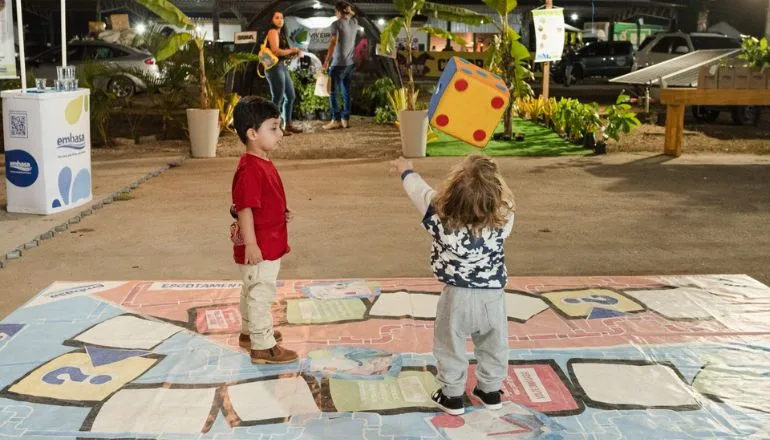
(322, 85)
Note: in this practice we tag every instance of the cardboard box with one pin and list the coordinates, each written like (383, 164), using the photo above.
(708, 77)
(119, 22)
(742, 77)
(726, 78)
(96, 26)
(758, 80)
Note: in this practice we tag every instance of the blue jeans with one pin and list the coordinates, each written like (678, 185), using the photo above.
(282, 90)
(341, 78)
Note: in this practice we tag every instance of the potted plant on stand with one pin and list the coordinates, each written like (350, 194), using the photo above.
(413, 123)
(203, 122)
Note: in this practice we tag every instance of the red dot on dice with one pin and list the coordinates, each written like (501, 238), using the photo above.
(497, 102)
(479, 135)
(442, 120)
(461, 85)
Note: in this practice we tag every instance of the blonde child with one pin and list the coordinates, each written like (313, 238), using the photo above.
(469, 218)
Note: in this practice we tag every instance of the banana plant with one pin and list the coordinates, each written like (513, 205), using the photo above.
(169, 13)
(508, 57)
(408, 10)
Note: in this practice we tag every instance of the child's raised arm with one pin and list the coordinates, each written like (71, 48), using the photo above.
(419, 192)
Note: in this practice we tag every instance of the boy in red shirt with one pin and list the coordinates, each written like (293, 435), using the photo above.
(260, 235)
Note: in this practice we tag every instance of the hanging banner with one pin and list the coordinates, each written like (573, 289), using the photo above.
(7, 51)
(549, 33)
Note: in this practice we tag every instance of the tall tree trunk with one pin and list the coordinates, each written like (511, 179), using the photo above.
(204, 92)
(410, 76)
(509, 71)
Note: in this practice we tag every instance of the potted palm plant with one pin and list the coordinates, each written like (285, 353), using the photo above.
(203, 122)
(509, 57)
(413, 123)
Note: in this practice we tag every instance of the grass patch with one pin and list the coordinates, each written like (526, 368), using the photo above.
(538, 141)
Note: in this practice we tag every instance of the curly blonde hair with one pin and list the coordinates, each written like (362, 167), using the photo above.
(475, 196)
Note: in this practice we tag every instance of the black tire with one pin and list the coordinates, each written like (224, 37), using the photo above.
(746, 115)
(705, 114)
(122, 87)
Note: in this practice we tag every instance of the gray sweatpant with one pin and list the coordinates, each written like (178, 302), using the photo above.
(480, 314)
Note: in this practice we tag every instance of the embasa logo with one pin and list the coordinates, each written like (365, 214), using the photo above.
(72, 142)
(20, 168)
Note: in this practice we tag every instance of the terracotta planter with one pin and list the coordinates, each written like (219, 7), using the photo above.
(708, 77)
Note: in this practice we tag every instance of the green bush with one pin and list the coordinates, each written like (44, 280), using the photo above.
(376, 95)
(384, 116)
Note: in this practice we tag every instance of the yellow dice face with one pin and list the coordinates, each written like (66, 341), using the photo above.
(470, 109)
(471, 106)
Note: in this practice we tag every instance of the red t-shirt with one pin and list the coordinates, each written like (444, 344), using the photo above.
(258, 186)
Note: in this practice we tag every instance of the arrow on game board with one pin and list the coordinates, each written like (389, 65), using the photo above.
(105, 356)
(600, 313)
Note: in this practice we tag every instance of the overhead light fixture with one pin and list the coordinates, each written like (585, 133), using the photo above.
(381, 22)
(574, 16)
(140, 28)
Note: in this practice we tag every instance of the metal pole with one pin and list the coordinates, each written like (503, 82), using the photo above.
(767, 21)
(547, 65)
(22, 61)
(63, 34)
(215, 20)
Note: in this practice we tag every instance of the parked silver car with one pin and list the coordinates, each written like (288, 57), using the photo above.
(43, 65)
(664, 46)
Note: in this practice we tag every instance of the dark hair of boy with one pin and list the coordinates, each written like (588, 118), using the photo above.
(251, 112)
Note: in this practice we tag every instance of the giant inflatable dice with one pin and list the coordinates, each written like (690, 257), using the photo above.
(468, 102)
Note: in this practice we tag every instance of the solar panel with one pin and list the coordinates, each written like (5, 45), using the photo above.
(681, 71)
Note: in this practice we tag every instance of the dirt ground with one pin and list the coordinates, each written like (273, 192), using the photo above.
(723, 136)
(629, 212)
(365, 139)
(624, 213)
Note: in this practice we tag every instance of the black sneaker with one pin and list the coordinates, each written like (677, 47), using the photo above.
(451, 405)
(490, 400)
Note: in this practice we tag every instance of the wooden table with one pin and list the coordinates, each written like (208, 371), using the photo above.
(676, 99)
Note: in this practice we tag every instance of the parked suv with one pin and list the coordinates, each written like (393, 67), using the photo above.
(667, 45)
(603, 58)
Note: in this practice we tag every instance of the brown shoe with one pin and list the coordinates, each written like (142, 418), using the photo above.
(345, 123)
(333, 125)
(275, 355)
(291, 128)
(245, 340)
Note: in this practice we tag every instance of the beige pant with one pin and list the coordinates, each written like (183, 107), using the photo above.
(257, 296)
